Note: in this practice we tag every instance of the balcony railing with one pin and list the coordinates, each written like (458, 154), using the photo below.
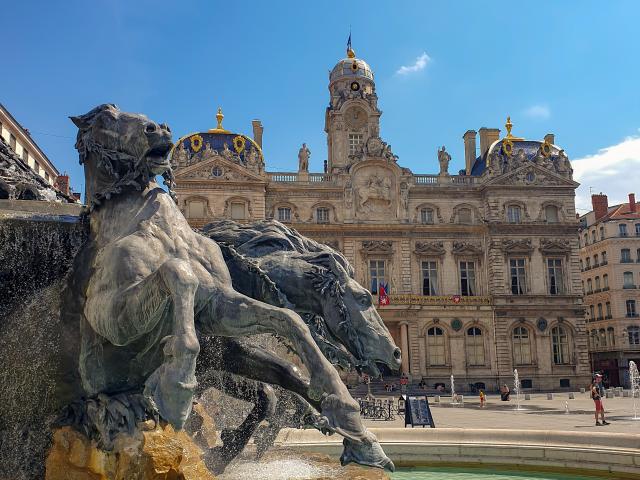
(632, 315)
(410, 299)
(283, 177)
(426, 179)
(430, 179)
(629, 287)
(626, 260)
(320, 177)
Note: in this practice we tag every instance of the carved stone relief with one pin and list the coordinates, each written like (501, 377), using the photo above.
(467, 248)
(429, 248)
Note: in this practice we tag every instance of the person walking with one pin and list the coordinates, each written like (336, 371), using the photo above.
(482, 398)
(597, 391)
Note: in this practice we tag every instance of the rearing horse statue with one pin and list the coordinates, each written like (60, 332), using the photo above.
(145, 287)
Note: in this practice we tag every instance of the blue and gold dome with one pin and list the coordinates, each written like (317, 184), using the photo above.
(237, 147)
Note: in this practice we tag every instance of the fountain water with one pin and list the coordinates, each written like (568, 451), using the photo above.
(516, 387)
(634, 379)
(454, 396)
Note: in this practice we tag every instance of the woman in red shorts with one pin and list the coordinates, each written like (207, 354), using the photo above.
(596, 395)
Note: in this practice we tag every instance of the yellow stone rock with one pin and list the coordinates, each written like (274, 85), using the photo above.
(154, 454)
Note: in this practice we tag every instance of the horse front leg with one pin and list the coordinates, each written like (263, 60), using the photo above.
(232, 314)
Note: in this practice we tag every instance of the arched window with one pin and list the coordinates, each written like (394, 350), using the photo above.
(560, 343)
(611, 336)
(595, 340)
(551, 213)
(597, 283)
(595, 260)
(521, 346)
(600, 313)
(589, 285)
(284, 214)
(475, 346)
(436, 347)
(514, 214)
(605, 281)
(426, 215)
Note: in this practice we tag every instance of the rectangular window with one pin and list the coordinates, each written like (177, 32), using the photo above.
(355, 140)
(284, 214)
(598, 283)
(555, 276)
(237, 211)
(604, 258)
(623, 230)
(600, 312)
(464, 216)
(25, 155)
(637, 229)
(625, 255)
(605, 281)
(322, 215)
(593, 236)
(631, 308)
(601, 233)
(377, 274)
(513, 214)
(12, 142)
(592, 312)
(467, 279)
(429, 278)
(426, 215)
(518, 276)
(607, 307)
(628, 280)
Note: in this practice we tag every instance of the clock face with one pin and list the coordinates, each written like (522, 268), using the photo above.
(356, 117)
(355, 86)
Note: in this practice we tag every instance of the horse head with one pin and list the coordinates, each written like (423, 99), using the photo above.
(120, 150)
(350, 314)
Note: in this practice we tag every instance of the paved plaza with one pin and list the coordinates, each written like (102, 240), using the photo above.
(537, 414)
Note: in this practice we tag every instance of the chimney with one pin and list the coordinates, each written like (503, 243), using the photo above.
(62, 183)
(632, 202)
(550, 138)
(469, 138)
(487, 137)
(600, 205)
(257, 131)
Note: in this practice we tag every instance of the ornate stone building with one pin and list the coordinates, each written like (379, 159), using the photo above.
(482, 266)
(610, 265)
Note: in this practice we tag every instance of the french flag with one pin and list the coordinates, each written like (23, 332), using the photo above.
(383, 297)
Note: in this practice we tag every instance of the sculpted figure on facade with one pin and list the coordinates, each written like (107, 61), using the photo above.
(443, 159)
(375, 194)
(348, 195)
(404, 196)
(563, 165)
(303, 158)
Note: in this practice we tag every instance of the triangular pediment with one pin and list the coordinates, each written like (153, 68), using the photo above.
(217, 169)
(531, 174)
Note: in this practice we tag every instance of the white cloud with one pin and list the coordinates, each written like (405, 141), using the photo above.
(540, 112)
(611, 171)
(419, 64)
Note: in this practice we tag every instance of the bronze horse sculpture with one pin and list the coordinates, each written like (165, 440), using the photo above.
(146, 293)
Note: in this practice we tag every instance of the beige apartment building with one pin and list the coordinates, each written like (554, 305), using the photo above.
(25, 147)
(482, 265)
(610, 265)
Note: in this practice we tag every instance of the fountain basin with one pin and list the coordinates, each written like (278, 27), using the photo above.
(596, 453)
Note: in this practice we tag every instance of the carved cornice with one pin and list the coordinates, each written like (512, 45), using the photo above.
(438, 300)
(467, 248)
(517, 247)
(377, 247)
(554, 246)
(429, 248)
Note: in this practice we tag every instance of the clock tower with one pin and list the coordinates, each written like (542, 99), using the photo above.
(352, 116)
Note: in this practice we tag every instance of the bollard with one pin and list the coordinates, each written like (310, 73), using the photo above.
(609, 394)
(527, 396)
(626, 393)
(582, 390)
(571, 396)
(549, 396)
(616, 393)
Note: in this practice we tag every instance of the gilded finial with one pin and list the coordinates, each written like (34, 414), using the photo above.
(508, 126)
(219, 117)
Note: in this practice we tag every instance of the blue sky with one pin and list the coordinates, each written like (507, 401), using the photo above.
(567, 67)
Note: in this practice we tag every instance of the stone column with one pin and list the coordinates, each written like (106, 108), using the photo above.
(404, 346)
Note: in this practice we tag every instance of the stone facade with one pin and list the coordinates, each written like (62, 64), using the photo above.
(610, 265)
(482, 267)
